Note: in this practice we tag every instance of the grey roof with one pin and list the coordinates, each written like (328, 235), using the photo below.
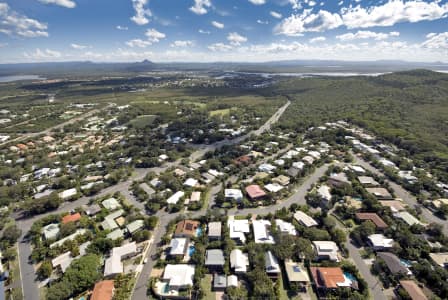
(219, 281)
(92, 209)
(393, 263)
(214, 229)
(214, 257)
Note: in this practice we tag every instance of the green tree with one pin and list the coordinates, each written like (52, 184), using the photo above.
(11, 234)
(45, 270)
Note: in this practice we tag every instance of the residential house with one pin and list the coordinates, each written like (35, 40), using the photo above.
(50, 231)
(413, 290)
(273, 187)
(308, 159)
(232, 281)
(109, 221)
(113, 265)
(271, 265)
(175, 197)
(374, 218)
(408, 218)
(135, 226)
(394, 263)
(329, 278)
(103, 290)
(111, 204)
(379, 242)
(282, 180)
(394, 205)
(191, 182)
(187, 228)
(268, 168)
(380, 193)
(67, 194)
(285, 227)
(440, 259)
(324, 194)
(357, 169)
(367, 181)
(63, 261)
(178, 277)
(92, 210)
(238, 230)
(255, 192)
(239, 261)
(261, 232)
(214, 259)
(296, 273)
(69, 238)
(214, 230)
(195, 197)
(116, 234)
(233, 194)
(219, 282)
(71, 218)
(326, 250)
(148, 190)
(178, 247)
(304, 219)
(338, 179)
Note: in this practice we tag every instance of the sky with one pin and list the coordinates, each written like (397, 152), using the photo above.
(223, 30)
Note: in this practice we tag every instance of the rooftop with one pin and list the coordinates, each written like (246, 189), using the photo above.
(379, 223)
(255, 191)
(214, 257)
(413, 290)
(304, 219)
(186, 227)
(296, 272)
(214, 229)
(104, 290)
(179, 275)
(71, 218)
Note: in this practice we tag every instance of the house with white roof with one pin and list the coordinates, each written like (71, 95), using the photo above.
(111, 204)
(271, 265)
(324, 193)
(178, 276)
(408, 218)
(238, 229)
(273, 187)
(233, 194)
(380, 242)
(175, 197)
(304, 219)
(285, 227)
(68, 194)
(68, 238)
(261, 232)
(113, 265)
(326, 250)
(268, 168)
(64, 260)
(191, 182)
(135, 226)
(178, 247)
(50, 231)
(239, 261)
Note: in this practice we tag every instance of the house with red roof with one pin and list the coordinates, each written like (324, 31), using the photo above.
(255, 192)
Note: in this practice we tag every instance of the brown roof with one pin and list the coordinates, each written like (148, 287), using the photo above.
(414, 291)
(242, 160)
(254, 191)
(71, 218)
(104, 290)
(327, 277)
(395, 205)
(374, 218)
(379, 192)
(187, 227)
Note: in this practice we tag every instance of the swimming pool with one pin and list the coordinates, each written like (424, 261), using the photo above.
(349, 276)
(191, 250)
(199, 231)
(406, 263)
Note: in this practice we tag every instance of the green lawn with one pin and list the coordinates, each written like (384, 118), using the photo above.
(206, 287)
(220, 112)
(142, 121)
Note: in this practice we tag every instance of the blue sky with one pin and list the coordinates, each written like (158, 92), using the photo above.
(222, 30)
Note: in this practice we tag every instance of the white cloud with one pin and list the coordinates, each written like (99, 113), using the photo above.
(257, 2)
(138, 43)
(362, 34)
(296, 4)
(122, 27)
(141, 13)
(262, 22)
(318, 39)
(182, 44)
(154, 36)
(297, 24)
(79, 47)
(218, 47)
(13, 23)
(276, 14)
(63, 3)
(236, 39)
(393, 12)
(203, 31)
(200, 6)
(436, 41)
(39, 55)
(218, 25)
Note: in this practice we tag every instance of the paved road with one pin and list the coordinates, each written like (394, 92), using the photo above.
(401, 193)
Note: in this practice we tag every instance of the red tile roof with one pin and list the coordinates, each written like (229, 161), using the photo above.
(186, 228)
(242, 160)
(71, 218)
(379, 223)
(254, 191)
(327, 277)
(104, 290)
(414, 291)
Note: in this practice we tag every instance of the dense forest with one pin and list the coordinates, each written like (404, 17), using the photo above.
(408, 109)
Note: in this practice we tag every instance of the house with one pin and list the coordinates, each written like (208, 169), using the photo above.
(232, 281)
(175, 197)
(178, 276)
(273, 187)
(219, 282)
(394, 264)
(109, 221)
(178, 246)
(116, 234)
(324, 193)
(304, 219)
(296, 273)
(394, 205)
(255, 192)
(408, 218)
(245, 160)
(293, 172)
(103, 290)
(111, 204)
(380, 193)
(148, 190)
(92, 210)
(379, 242)
(374, 218)
(214, 230)
(50, 231)
(68, 194)
(367, 181)
(261, 232)
(438, 203)
(238, 229)
(326, 250)
(63, 261)
(195, 197)
(413, 290)
(298, 165)
(239, 261)
(68, 238)
(191, 182)
(135, 226)
(233, 194)
(338, 179)
(272, 267)
(285, 227)
(357, 169)
(187, 228)
(282, 180)
(71, 218)
(214, 259)
(268, 168)
(440, 259)
(308, 159)
(113, 265)
(327, 278)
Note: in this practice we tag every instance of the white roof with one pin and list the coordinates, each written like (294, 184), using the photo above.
(232, 280)
(111, 204)
(298, 165)
(175, 197)
(233, 194)
(357, 169)
(407, 217)
(109, 224)
(285, 227)
(308, 159)
(324, 192)
(116, 234)
(273, 187)
(68, 193)
(191, 182)
(239, 260)
(214, 229)
(113, 266)
(314, 154)
(261, 232)
(304, 219)
(63, 260)
(50, 231)
(266, 168)
(179, 275)
(380, 241)
(70, 237)
(124, 250)
(237, 229)
(177, 246)
(134, 226)
(271, 263)
(326, 248)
